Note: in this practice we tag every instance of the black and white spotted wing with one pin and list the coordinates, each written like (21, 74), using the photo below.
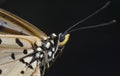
(15, 55)
(17, 38)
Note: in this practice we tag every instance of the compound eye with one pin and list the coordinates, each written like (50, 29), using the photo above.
(62, 38)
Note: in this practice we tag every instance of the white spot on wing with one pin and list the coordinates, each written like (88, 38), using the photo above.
(34, 64)
(28, 59)
(30, 51)
(38, 43)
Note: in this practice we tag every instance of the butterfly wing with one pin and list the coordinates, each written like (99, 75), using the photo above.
(14, 60)
(9, 23)
(16, 69)
(14, 33)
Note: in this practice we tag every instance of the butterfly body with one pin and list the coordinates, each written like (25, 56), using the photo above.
(24, 49)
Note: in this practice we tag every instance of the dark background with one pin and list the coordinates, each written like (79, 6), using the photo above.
(88, 52)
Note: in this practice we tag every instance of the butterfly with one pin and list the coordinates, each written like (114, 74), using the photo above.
(25, 50)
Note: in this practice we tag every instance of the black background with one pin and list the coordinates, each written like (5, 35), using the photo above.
(88, 52)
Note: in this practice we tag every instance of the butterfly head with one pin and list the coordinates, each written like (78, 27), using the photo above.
(63, 39)
(58, 42)
(54, 44)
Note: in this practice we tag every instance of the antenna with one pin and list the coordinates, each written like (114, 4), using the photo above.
(83, 20)
(99, 25)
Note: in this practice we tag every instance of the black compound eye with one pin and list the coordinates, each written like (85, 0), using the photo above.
(62, 37)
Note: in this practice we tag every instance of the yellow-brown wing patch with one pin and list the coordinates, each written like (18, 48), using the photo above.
(16, 23)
